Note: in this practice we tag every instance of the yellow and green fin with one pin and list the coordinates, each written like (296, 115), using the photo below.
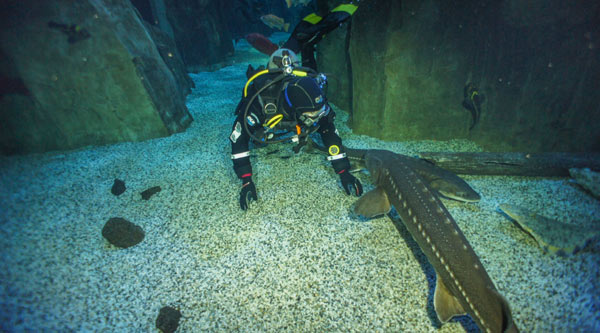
(312, 18)
(348, 8)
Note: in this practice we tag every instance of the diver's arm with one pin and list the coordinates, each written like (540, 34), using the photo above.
(337, 155)
(240, 151)
(240, 155)
(333, 143)
(239, 137)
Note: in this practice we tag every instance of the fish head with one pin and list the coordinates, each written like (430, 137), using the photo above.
(267, 19)
(452, 191)
(374, 161)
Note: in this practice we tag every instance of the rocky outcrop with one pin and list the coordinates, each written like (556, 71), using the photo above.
(82, 73)
(536, 65)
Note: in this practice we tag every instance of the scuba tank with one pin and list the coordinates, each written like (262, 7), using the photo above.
(268, 95)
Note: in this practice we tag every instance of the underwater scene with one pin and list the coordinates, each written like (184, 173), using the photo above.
(299, 166)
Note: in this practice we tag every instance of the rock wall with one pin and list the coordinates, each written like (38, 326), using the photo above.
(200, 32)
(536, 63)
(170, 55)
(77, 73)
(333, 59)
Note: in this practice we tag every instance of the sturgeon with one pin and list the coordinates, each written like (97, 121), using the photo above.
(441, 180)
(462, 283)
(444, 182)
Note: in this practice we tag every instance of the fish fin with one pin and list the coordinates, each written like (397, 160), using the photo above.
(286, 27)
(508, 325)
(445, 304)
(373, 203)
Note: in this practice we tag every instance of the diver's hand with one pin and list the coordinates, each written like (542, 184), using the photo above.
(247, 194)
(351, 185)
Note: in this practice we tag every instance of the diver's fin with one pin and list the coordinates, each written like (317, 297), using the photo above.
(373, 203)
(312, 18)
(348, 8)
(445, 304)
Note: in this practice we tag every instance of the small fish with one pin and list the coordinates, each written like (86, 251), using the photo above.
(291, 3)
(275, 22)
(472, 102)
(261, 43)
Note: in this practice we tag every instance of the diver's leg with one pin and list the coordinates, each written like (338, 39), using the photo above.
(308, 56)
(302, 34)
(312, 29)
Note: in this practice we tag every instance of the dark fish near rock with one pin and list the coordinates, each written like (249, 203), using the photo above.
(472, 102)
(462, 285)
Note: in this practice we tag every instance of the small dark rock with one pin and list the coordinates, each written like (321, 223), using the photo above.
(150, 192)
(122, 233)
(168, 319)
(118, 187)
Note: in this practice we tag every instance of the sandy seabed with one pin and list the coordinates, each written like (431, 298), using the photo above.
(298, 260)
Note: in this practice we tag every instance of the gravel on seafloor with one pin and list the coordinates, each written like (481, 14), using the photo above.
(298, 260)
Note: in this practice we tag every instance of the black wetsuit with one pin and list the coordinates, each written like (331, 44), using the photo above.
(240, 139)
(306, 35)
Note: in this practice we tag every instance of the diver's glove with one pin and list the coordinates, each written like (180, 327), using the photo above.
(351, 185)
(248, 193)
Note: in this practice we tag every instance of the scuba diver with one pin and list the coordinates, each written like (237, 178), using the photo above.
(285, 102)
(313, 28)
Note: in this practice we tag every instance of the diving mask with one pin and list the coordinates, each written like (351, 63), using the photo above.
(312, 117)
